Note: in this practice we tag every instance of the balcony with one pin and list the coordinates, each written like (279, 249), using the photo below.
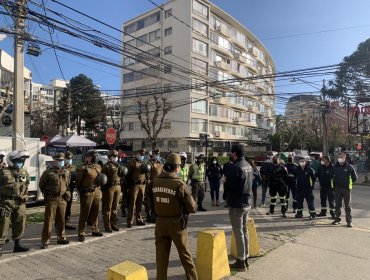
(236, 120)
(222, 64)
(219, 134)
(252, 66)
(222, 50)
(223, 30)
(239, 44)
(240, 58)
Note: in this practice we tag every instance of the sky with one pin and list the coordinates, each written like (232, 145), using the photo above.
(311, 33)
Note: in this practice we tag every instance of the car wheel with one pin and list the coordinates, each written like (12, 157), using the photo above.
(75, 196)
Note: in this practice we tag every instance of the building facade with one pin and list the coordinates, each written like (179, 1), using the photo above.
(45, 97)
(215, 74)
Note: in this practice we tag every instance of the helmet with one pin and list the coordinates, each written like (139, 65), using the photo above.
(2, 153)
(183, 154)
(146, 168)
(101, 179)
(16, 155)
(123, 171)
(113, 153)
(68, 155)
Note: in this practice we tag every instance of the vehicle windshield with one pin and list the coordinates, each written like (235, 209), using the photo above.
(103, 153)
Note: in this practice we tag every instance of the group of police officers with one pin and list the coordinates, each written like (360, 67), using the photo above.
(298, 181)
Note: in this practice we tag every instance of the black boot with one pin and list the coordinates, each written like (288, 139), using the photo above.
(239, 265)
(200, 207)
(332, 214)
(312, 215)
(322, 213)
(18, 248)
(299, 214)
(272, 210)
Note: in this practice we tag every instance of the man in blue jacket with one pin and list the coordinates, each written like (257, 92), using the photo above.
(324, 173)
(343, 176)
(305, 182)
(239, 178)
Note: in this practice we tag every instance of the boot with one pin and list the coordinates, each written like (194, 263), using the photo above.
(18, 248)
(149, 218)
(312, 215)
(272, 210)
(200, 207)
(239, 265)
(332, 214)
(299, 214)
(246, 263)
(322, 213)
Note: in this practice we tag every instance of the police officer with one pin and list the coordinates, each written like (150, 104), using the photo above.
(196, 175)
(292, 183)
(71, 187)
(14, 181)
(2, 162)
(54, 184)
(111, 191)
(137, 179)
(278, 179)
(90, 195)
(343, 176)
(172, 203)
(184, 168)
(305, 181)
(265, 172)
(156, 168)
(324, 173)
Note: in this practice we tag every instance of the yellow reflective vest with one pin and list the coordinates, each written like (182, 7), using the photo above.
(184, 172)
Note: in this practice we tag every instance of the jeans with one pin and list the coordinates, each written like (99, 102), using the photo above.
(343, 194)
(265, 185)
(239, 220)
(215, 189)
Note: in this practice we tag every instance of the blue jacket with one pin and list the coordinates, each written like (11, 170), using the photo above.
(238, 184)
(343, 176)
(305, 179)
(292, 173)
(325, 175)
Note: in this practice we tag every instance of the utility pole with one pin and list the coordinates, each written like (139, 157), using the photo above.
(69, 108)
(324, 122)
(18, 112)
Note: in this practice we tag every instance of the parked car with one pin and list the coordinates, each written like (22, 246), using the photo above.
(102, 157)
(313, 155)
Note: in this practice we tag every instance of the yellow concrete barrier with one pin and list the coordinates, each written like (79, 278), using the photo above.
(127, 270)
(254, 246)
(212, 262)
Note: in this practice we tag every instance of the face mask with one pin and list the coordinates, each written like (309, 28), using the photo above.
(18, 165)
(139, 157)
(214, 162)
(341, 160)
(114, 159)
(322, 162)
(60, 163)
(302, 164)
(93, 159)
(68, 161)
(156, 157)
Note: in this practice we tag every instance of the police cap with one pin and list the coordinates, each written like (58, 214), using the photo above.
(92, 153)
(113, 153)
(173, 159)
(68, 155)
(59, 156)
(141, 151)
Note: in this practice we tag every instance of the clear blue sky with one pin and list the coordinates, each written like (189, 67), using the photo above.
(265, 18)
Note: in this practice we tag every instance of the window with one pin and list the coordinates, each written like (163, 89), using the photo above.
(168, 13)
(131, 126)
(144, 22)
(154, 36)
(200, 27)
(199, 106)
(200, 9)
(199, 66)
(198, 125)
(167, 69)
(142, 40)
(129, 77)
(199, 86)
(166, 124)
(200, 47)
(168, 31)
(168, 50)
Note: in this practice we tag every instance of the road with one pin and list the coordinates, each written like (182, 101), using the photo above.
(293, 248)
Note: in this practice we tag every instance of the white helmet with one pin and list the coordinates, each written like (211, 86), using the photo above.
(150, 153)
(183, 154)
(13, 155)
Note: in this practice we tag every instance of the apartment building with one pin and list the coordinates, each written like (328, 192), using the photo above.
(45, 97)
(215, 72)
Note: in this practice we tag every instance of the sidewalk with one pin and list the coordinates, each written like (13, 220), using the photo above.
(91, 259)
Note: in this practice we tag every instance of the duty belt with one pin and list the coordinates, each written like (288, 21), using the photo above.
(52, 194)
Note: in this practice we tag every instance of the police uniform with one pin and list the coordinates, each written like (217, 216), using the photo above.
(111, 192)
(137, 179)
(54, 184)
(278, 179)
(172, 203)
(292, 184)
(71, 187)
(196, 174)
(90, 195)
(14, 181)
(305, 181)
(184, 171)
(156, 168)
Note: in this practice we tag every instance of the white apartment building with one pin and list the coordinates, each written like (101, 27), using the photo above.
(45, 97)
(233, 100)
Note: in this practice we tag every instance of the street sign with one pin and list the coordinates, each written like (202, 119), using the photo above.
(111, 136)
(45, 138)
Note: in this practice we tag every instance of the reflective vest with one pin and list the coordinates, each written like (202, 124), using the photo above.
(198, 172)
(183, 174)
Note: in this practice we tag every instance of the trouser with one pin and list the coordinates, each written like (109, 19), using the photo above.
(11, 211)
(292, 188)
(89, 210)
(167, 230)
(327, 194)
(55, 209)
(343, 194)
(239, 220)
(197, 191)
(215, 189)
(68, 208)
(265, 185)
(125, 198)
(281, 190)
(254, 192)
(110, 200)
(136, 203)
(308, 195)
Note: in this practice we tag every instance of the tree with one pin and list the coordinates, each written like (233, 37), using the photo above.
(87, 105)
(152, 111)
(43, 123)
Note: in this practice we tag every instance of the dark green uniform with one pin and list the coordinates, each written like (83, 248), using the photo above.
(156, 170)
(111, 195)
(71, 187)
(90, 196)
(53, 184)
(172, 203)
(13, 196)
